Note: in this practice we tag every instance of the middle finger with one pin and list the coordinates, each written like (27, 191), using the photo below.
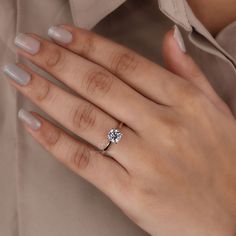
(90, 80)
(77, 115)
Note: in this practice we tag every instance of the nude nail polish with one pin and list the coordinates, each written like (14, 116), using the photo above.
(179, 39)
(17, 74)
(60, 34)
(27, 43)
(29, 119)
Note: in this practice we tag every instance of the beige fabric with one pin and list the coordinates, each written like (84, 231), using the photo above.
(86, 14)
(38, 195)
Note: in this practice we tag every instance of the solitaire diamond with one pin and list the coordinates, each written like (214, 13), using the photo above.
(114, 136)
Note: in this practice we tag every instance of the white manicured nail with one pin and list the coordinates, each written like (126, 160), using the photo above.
(179, 39)
(27, 43)
(60, 34)
(29, 119)
(17, 74)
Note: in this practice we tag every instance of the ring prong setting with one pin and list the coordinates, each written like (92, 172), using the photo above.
(114, 136)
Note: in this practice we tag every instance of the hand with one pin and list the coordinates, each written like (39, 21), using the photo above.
(173, 171)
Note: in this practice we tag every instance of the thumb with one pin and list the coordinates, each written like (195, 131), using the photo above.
(180, 63)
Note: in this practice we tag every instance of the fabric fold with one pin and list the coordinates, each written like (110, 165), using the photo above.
(86, 14)
(181, 13)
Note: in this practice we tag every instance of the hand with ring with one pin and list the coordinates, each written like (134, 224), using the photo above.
(160, 143)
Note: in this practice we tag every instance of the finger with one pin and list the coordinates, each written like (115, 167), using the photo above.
(182, 64)
(89, 80)
(77, 115)
(146, 77)
(105, 173)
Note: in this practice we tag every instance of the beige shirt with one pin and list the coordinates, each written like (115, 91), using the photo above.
(39, 196)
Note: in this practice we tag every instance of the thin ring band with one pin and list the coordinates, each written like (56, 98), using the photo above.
(114, 136)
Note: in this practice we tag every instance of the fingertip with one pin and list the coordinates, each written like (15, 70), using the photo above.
(173, 44)
(29, 119)
(171, 52)
(167, 41)
(179, 40)
(60, 34)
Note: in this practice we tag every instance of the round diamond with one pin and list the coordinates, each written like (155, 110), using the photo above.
(114, 136)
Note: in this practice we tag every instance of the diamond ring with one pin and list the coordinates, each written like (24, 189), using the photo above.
(113, 136)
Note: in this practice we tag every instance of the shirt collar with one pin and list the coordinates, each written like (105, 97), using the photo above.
(87, 13)
(176, 11)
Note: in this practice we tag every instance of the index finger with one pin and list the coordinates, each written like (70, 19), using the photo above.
(140, 73)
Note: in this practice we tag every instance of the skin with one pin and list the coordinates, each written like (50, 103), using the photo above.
(216, 14)
(173, 172)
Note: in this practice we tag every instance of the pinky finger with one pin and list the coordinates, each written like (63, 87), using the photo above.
(182, 64)
(103, 172)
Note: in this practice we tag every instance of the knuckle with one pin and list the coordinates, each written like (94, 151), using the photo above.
(88, 45)
(186, 90)
(197, 101)
(51, 136)
(43, 91)
(192, 97)
(167, 120)
(173, 128)
(98, 83)
(83, 117)
(193, 93)
(55, 57)
(124, 62)
(80, 157)
(169, 123)
(178, 132)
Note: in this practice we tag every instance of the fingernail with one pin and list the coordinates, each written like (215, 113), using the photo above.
(27, 43)
(17, 74)
(29, 119)
(60, 34)
(179, 39)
